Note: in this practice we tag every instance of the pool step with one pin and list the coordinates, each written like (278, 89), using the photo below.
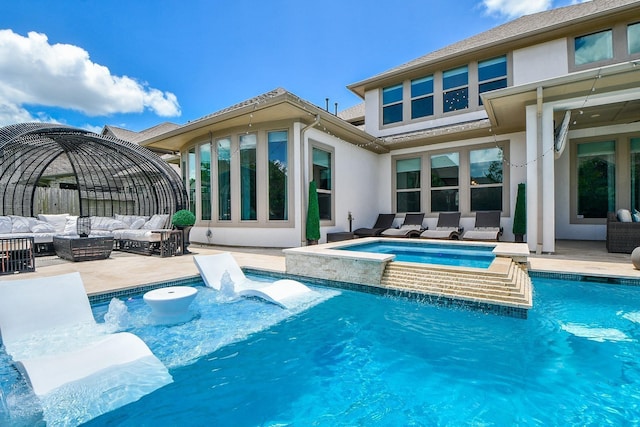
(505, 283)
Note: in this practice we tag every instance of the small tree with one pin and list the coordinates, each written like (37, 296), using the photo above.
(520, 215)
(313, 215)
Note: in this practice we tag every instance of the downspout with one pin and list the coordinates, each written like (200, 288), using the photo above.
(305, 176)
(539, 98)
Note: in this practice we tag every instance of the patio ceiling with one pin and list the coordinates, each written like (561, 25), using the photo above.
(605, 96)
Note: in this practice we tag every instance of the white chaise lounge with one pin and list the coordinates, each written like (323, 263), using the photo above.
(48, 328)
(285, 292)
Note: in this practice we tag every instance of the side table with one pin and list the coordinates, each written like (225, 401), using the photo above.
(73, 248)
(170, 242)
(339, 236)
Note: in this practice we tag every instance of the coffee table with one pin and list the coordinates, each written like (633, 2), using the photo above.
(73, 248)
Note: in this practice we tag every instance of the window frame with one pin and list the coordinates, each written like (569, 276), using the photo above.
(419, 189)
(622, 174)
(464, 173)
(422, 96)
(495, 79)
(447, 90)
(620, 45)
(392, 104)
(313, 144)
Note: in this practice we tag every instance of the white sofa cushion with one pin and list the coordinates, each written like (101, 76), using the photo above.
(57, 220)
(137, 224)
(129, 219)
(42, 227)
(21, 224)
(5, 224)
(106, 223)
(156, 222)
(138, 235)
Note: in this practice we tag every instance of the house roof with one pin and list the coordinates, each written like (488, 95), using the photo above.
(523, 31)
(278, 104)
(136, 137)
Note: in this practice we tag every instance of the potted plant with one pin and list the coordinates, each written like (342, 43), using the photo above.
(520, 215)
(313, 216)
(184, 220)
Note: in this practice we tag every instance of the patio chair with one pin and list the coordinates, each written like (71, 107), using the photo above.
(487, 227)
(411, 227)
(383, 222)
(448, 227)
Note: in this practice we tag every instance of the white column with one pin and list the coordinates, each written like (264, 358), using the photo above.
(532, 176)
(548, 222)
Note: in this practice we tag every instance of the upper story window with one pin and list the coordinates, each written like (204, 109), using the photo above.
(633, 38)
(492, 75)
(422, 97)
(392, 104)
(455, 84)
(594, 47)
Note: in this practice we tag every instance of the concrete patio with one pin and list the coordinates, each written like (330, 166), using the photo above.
(124, 270)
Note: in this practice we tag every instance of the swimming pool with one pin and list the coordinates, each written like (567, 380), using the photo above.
(362, 359)
(459, 255)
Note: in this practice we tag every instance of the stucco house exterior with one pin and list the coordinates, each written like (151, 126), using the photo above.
(455, 130)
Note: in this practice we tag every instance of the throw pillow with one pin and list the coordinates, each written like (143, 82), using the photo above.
(624, 215)
(137, 224)
(636, 215)
(156, 222)
(57, 220)
(71, 226)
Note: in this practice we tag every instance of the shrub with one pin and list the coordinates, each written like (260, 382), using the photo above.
(183, 218)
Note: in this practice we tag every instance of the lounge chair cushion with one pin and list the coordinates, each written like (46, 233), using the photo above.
(437, 234)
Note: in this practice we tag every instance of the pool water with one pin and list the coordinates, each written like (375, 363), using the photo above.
(458, 255)
(363, 359)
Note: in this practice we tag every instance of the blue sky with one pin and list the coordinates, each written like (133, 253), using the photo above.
(136, 63)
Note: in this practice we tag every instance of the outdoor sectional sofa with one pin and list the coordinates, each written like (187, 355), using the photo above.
(132, 233)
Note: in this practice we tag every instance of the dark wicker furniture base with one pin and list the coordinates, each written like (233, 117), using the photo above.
(170, 244)
(622, 237)
(16, 255)
(83, 248)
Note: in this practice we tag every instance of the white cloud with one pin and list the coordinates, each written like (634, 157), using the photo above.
(36, 73)
(515, 8)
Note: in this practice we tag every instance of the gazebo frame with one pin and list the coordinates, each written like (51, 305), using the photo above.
(112, 176)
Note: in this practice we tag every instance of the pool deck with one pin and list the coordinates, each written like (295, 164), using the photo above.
(123, 270)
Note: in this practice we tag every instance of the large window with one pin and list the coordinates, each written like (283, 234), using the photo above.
(594, 47)
(633, 38)
(445, 170)
(492, 75)
(248, 193)
(455, 84)
(635, 173)
(223, 147)
(392, 104)
(422, 97)
(408, 185)
(278, 175)
(485, 167)
(191, 175)
(322, 175)
(596, 165)
(205, 181)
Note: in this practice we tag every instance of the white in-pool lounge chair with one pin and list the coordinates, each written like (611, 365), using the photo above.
(448, 227)
(285, 292)
(487, 227)
(48, 328)
(411, 227)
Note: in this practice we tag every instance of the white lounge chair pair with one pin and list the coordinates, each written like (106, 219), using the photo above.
(35, 317)
(487, 227)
